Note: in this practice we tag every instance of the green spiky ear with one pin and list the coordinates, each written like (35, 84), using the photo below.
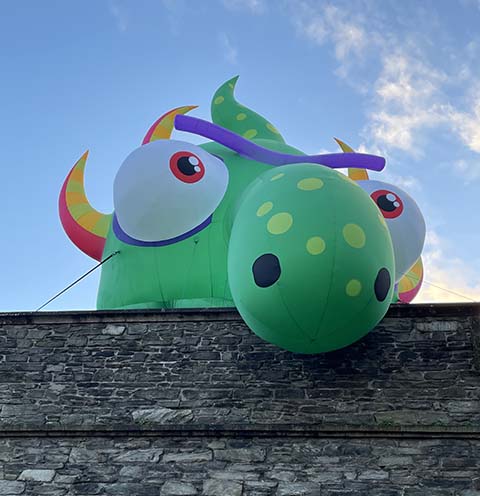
(228, 113)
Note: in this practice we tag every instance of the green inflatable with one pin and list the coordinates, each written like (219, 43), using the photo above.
(308, 245)
(243, 220)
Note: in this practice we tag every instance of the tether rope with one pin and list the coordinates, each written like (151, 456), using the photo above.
(78, 280)
(117, 252)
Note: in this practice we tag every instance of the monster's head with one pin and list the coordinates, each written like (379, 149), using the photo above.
(244, 219)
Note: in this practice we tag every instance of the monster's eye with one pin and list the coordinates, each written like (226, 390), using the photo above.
(388, 202)
(187, 167)
(167, 189)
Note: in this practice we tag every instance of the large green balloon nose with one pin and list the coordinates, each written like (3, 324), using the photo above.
(310, 259)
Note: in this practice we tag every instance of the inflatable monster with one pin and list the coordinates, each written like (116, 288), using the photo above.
(242, 220)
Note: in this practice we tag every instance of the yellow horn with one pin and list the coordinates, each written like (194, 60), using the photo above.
(355, 174)
(162, 128)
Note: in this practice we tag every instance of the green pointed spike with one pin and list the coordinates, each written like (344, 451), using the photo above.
(228, 113)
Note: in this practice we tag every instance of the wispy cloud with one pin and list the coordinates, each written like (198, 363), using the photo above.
(467, 124)
(407, 98)
(405, 89)
(253, 6)
(119, 14)
(230, 53)
(330, 24)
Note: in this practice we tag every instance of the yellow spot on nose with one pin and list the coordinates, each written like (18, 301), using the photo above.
(264, 208)
(278, 176)
(272, 128)
(251, 133)
(218, 100)
(315, 245)
(241, 116)
(354, 235)
(280, 223)
(353, 287)
(310, 184)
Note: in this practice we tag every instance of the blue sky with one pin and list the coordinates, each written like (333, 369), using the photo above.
(397, 78)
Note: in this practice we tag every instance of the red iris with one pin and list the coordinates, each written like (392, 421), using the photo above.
(388, 202)
(187, 167)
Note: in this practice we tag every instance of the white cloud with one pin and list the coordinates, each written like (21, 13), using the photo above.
(407, 99)
(331, 24)
(406, 92)
(408, 183)
(448, 279)
(253, 6)
(467, 124)
(119, 14)
(230, 53)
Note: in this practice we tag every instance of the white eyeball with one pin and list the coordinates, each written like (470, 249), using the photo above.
(404, 220)
(167, 188)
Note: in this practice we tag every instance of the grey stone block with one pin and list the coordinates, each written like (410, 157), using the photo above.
(142, 455)
(298, 489)
(192, 457)
(8, 487)
(39, 475)
(176, 488)
(114, 330)
(163, 416)
(219, 487)
(248, 455)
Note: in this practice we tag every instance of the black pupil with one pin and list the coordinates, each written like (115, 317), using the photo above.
(385, 204)
(185, 167)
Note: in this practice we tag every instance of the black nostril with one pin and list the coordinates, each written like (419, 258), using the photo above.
(266, 270)
(382, 284)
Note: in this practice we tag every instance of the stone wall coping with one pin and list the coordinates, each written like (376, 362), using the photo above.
(244, 430)
(421, 310)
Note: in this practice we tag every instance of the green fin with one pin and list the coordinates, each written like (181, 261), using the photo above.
(228, 113)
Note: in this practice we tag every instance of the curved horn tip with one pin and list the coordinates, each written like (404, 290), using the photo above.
(234, 79)
(163, 126)
(346, 148)
(79, 165)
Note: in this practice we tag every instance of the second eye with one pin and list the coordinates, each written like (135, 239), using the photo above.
(187, 167)
(388, 202)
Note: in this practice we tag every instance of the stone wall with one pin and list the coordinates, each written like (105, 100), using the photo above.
(183, 403)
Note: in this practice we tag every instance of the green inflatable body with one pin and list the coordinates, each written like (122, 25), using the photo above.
(299, 249)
